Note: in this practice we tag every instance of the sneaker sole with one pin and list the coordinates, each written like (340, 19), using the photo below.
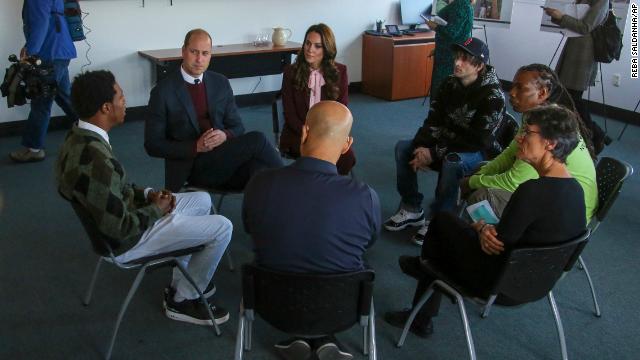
(404, 226)
(186, 318)
(332, 352)
(24, 161)
(299, 349)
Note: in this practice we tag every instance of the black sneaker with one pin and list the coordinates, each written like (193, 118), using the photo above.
(399, 318)
(170, 292)
(293, 349)
(404, 218)
(194, 312)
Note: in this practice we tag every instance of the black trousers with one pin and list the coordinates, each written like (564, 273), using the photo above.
(597, 134)
(454, 245)
(232, 164)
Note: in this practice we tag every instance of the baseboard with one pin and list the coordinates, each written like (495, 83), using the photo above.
(136, 113)
(13, 128)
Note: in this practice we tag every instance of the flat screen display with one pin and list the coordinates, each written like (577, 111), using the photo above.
(410, 11)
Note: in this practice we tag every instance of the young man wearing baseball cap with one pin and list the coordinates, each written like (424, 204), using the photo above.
(456, 136)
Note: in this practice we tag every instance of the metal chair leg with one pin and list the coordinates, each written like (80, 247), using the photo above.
(92, 284)
(203, 300)
(556, 315)
(487, 306)
(249, 337)
(373, 351)
(230, 260)
(593, 290)
(365, 338)
(467, 330)
(413, 314)
(240, 335)
(124, 306)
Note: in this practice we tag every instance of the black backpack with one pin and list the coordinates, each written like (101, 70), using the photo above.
(607, 39)
(73, 15)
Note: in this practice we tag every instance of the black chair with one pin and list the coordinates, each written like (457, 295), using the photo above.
(277, 120)
(528, 275)
(506, 131)
(103, 246)
(306, 305)
(610, 176)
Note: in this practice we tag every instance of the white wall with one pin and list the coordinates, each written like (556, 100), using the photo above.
(523, 43)
(122, 27)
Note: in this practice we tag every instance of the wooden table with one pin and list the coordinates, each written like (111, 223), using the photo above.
(396, 68)
(233, 61)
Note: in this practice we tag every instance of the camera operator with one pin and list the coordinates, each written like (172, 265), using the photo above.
(47, 38)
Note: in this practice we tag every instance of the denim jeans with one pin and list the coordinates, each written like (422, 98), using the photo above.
(40, 114)
(455, 166)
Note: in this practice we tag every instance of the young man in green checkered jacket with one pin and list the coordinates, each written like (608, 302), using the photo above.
(138, 222)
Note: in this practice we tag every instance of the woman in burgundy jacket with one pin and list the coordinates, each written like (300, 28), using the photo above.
(315, 76)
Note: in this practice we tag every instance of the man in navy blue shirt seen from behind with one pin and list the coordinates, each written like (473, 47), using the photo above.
(306, 218)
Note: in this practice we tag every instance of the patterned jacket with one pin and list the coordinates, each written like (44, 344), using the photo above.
(464, 119)
(87, 172)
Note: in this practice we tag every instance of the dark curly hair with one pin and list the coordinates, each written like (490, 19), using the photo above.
(301, 68)
(558, 94)
(91, 90)
(556, 123)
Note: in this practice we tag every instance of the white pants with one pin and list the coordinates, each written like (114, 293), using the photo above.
(188, 225)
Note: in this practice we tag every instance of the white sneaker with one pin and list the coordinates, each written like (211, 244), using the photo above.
(404, 218)
(418, 238)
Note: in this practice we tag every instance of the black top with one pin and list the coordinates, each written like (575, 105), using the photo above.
(306, 218)
(545, 210)
(541, 211)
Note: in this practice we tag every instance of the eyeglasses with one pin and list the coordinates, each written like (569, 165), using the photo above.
(527, 132)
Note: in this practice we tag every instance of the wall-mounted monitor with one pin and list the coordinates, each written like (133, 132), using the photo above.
(410, 11)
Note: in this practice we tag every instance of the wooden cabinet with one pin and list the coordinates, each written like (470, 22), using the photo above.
(399, 67)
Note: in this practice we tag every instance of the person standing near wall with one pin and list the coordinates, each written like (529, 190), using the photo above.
(47, 38)
(459, 17)
(576, 66)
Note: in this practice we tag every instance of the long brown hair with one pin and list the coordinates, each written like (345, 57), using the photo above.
(301, 68)
(558, 94)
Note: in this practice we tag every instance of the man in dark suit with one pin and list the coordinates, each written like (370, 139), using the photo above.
(193, 123)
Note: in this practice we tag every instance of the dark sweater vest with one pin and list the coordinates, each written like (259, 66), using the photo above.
(198, 95)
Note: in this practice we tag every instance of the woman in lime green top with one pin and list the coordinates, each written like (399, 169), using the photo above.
(533, 85)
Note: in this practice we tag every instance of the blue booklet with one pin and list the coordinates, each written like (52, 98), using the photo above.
(482, 211)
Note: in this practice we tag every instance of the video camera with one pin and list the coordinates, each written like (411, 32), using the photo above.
(27, 79)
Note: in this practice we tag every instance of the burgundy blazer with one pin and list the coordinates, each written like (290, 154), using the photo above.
(295, 105)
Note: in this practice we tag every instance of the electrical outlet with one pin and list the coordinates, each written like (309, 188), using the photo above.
(616, 79)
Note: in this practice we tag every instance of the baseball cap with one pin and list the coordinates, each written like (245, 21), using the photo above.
(475, 47)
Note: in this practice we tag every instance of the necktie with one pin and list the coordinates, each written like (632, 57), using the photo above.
(196, 81)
